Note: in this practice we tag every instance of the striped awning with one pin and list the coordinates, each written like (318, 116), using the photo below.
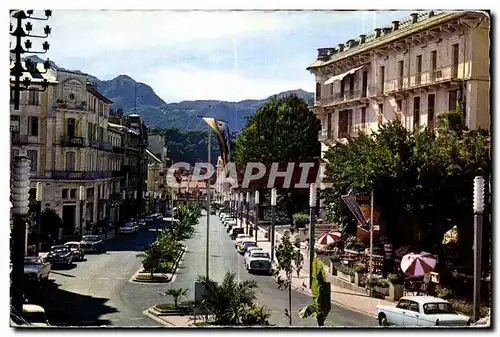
(341, 76)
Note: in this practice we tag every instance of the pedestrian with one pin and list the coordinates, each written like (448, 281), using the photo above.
(298, 262)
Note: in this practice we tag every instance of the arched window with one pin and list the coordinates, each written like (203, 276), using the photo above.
(70, 161)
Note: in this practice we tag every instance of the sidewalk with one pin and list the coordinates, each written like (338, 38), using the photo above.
(352, 300)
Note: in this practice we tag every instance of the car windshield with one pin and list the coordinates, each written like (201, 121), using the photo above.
(72, 246)
(60, 249)
(91, 238)
(247, 244)
(258, 254)
(32, 261)
(438, 308)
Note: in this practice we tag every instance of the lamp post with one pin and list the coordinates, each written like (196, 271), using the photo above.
(18, 70)
(38, 197)
(81, 197)
(135, 204)
(123, 207)
(273, 221)
(312, 206)
(478, 242)
(256, 218)
(242, 204)
(20, 196)
(370, 264)
(247, 209)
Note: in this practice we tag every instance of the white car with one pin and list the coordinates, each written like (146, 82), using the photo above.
(229, 221)
(249, 250)
(258, 260)
(37, 268)
(239, 238)
(222, 215)
(420, 311)
(35, 315)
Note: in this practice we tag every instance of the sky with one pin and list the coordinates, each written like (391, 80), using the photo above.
(189, 55)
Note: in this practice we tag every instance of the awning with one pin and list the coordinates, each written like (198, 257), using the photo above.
(341, 76)
(153, 156)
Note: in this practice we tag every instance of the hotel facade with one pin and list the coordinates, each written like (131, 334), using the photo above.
(411, 70)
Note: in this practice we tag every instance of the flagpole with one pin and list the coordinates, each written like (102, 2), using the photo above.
(208, 197)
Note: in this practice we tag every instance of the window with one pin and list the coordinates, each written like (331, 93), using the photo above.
(363, 116)
(430, 110)
(14, 123)
(72, 193)
(343, 125)
(438, 308)
(401, 69)
(382, 78)
(318, 91)
(33, 156)
(452, 100)
(399, 108)
(71, 127)
(454, 57)
(65, 193)
(413, 306)
(416, 111)
(33, 98)
(380, 118)
(72, 97)
(433, 65)
(403, 304)
(329, 125)
(32, 126)
(70, 161)
(365, 84)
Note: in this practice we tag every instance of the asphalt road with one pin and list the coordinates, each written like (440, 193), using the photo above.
(98, 291)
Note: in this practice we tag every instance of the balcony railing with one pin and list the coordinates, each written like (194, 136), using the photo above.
(421, 79)
(19, 139)
(324, 135)
(81, 175)
(340, 97)
(72, 141)
(101, 145)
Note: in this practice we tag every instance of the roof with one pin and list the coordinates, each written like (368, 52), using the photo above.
(94, 91)
(406, 28)
(424, 299)
(153, 156)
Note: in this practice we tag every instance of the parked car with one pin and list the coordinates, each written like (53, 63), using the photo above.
(92, 243)
(222, 215)
(168, 213)
(37, 268)
(128, 228)
(235, 232)
(35, 315)
(420, 311)
(229, 221)
(238, 237)
(249, 250)
(76, 249)
(244, 244)
(60, 255)
(141, 223)
(258, 260)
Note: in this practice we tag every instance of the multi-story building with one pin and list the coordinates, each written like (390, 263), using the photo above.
(412, 70)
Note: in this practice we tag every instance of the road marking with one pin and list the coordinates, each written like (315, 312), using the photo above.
(120, 278)
(103, 278)
(136, 318)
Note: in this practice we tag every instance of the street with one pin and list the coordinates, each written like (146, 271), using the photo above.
(98, 291)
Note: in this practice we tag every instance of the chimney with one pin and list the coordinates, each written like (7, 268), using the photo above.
(431, 14)
(414, 17)
(395, 25)
(386, 30)
(362, 38)
(341, 47)
(377, 32)
(334, 51)
(350, 43)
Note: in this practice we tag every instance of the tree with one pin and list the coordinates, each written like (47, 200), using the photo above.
(285, 255)
(283, 130)
(227, 301)
(422, 180)
(176, 294)
(152, 256)
(321, 291)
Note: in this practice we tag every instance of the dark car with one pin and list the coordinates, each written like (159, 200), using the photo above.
(235, 232)
(92, 243)
(60, 255)
(76, 249)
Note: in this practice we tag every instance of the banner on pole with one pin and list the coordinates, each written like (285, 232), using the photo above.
(353, 205)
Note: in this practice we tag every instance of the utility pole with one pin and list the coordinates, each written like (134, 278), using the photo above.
(478, 243)
(370, 271)
(247, 209)
(207, 266)
(256, 218)
(273, 221)
(312, 240)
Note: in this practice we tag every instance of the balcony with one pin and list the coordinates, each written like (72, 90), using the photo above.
(342, 97)
(19, 139)
(69, 141)
(101, 145)
(422, 79)
(81, 175)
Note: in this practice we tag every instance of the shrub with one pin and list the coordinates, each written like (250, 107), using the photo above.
(380, 282)
(345, 270)
(467, 308)
(256, 314)
(360, 268)
(335, 258)
(354, 243)
(396, 278)
(300, 220)
(442, 292)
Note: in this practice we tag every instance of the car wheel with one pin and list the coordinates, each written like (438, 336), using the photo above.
(382, 320)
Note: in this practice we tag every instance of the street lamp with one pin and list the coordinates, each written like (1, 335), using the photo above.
(322, 202)
(312, 206)
(247, 209)
(18, 70)
(273, 221)
(478, 206)
(38, 197)
(20, 202)
(242, 201)
(135, 203)
(81, 197)
(256, 218)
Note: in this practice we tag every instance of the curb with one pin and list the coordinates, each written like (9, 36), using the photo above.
(155, 318)
(171, 279)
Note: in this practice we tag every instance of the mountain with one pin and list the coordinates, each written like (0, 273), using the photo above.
(136, 97)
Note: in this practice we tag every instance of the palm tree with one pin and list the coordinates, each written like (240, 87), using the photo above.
(152, 255)
(176, 294)
(227, 301)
